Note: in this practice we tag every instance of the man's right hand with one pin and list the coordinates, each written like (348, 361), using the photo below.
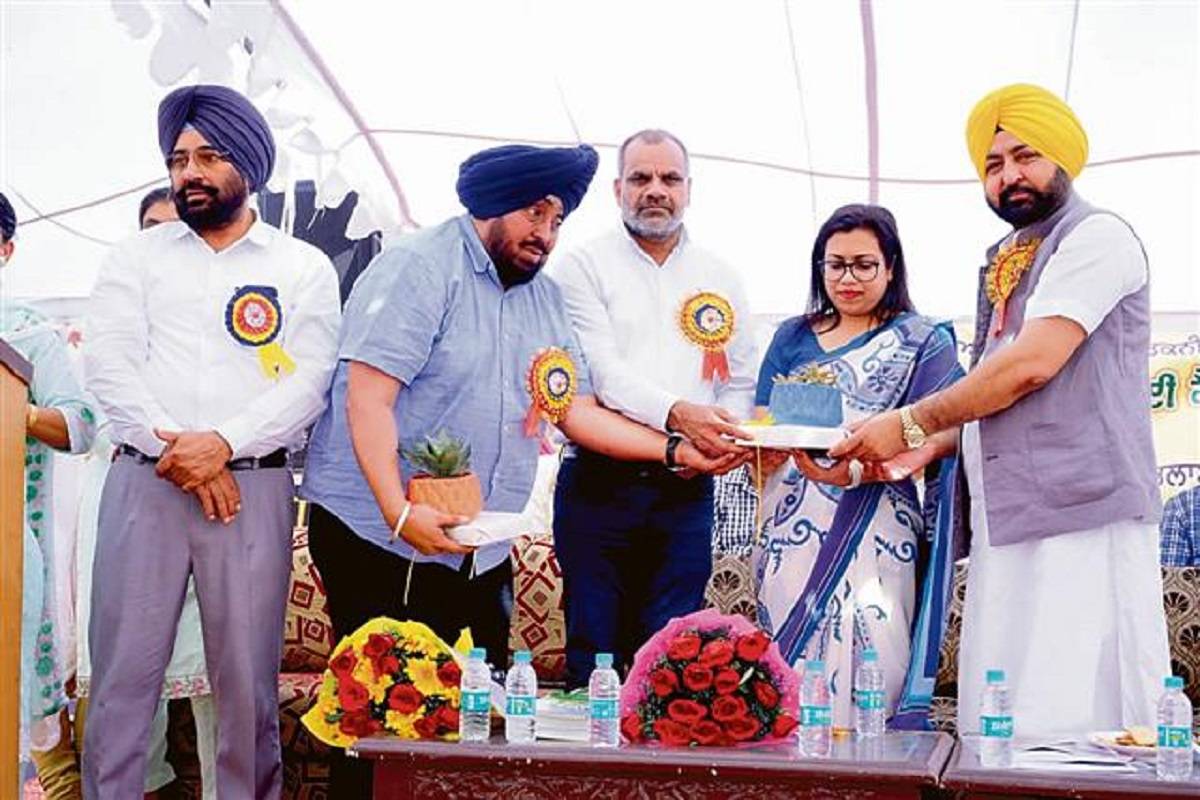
(425, 530)
(709, 428)
(689, 456)
(220, 497)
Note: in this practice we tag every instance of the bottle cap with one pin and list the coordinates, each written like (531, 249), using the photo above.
(478, 654)
(1173, 682)
(995, 676)
(814, 665)
(522, 657)
(869, 656)
(603, 660)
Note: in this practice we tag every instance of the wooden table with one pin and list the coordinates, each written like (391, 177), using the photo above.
(965, 778)
(900, 765)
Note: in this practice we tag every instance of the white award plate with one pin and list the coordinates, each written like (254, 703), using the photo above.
(792, 437)
(489, 527)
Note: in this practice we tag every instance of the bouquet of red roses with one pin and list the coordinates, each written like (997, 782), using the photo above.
(709, 679)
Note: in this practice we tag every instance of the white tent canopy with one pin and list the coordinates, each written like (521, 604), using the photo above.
(764, 93)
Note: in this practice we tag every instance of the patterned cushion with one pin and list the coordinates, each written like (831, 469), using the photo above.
(305, 760)
(730, 588)
(1181, 599)
(307, 632)
(537, 621)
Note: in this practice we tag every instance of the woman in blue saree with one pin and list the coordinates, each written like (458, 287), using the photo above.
(853, 556)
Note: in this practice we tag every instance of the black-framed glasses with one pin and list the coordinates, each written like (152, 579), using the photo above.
(864, 270)
(205, 157)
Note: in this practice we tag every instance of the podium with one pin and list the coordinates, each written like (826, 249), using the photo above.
(15, 374)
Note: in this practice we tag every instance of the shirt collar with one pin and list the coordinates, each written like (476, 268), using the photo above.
(481, 262)
(259, 232)
(639, 252)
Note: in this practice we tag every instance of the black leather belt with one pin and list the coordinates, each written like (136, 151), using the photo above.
(273, 460)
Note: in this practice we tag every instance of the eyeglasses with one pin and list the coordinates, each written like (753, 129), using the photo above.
(206, 159)
(543, 212)
(864, 270)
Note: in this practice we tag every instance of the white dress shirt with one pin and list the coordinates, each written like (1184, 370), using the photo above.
(157, 352)
(625, 308)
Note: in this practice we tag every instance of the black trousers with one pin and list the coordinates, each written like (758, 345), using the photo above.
(363, 581)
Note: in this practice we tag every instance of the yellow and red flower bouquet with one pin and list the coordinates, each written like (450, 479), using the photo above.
(388, 677)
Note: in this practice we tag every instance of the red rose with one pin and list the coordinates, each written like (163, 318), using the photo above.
(697, 677)
(743, 729)
(727, 707)
(664, 681)
(449, 673)
(447, 718)
(631, 726)
(766, 694)
(360, 723)
(706, 732)
(377, 644)
(686, 712)
(344, 663)
(717, 653)
(751, 646)
(352, 695)
(684, 648)
(671, 732)
(784, 724)
(386, 665)
(426, 727)
(405, 698)
(727, 681)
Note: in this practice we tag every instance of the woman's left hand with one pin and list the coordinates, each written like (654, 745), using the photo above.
(837, 474)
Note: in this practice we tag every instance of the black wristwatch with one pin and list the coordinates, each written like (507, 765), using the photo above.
(673, 442)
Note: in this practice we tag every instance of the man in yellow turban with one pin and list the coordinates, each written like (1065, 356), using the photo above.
(1053, 425)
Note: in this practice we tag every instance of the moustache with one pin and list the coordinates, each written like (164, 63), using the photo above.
(1007, 194)
(535, 244)
(656, 206)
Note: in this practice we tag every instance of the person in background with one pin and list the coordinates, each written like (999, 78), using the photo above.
(1179, 545)
(58, 418)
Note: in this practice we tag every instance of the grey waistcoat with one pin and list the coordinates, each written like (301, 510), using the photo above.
(1077, 453)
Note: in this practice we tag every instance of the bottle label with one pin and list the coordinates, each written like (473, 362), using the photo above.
(869, 700)
(604, 709)
(815, 716)
(476, 701)
(520, 705)
(1174, 738)
(998, 727)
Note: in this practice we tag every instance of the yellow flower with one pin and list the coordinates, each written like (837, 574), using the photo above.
(402, 724)
(423, 672)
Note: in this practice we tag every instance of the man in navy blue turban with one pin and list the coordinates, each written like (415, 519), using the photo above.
(493, 182)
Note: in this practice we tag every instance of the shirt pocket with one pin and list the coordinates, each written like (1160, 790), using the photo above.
(1067, 457)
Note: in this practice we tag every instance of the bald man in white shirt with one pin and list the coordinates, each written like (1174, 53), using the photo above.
(667, 332)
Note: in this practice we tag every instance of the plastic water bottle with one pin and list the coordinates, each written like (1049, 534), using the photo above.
(996, 722)
(1173, 756)
(474, 718)
(520, 707)
(869, 699)
(604, 689)
(816, 720)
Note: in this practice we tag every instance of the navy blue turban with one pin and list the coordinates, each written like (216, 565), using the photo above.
(494, 182)
(228, 121)
(8, 219)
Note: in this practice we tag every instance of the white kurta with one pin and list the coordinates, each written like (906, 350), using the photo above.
(1075, 620)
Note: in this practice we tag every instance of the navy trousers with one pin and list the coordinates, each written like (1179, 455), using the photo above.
(635, 545)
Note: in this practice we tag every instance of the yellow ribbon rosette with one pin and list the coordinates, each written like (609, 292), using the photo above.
(551, 383)
(1004, 274)
(706, 320)
(254, 318)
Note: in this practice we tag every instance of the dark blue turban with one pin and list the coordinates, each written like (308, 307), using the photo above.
(8, 219)
(228, 121)
(494, 182)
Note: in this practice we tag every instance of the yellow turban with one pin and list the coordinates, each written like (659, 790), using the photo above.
(1036, 117)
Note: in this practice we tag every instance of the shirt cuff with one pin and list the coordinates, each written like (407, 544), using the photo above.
(237, 434)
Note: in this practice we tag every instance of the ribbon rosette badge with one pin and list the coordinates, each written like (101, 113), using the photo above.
(706, 320)
(552, 384)
(1004, 274)
(254, 318)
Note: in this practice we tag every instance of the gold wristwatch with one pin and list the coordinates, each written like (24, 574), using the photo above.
(914, 434)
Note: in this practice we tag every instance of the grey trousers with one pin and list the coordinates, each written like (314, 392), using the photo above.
(151, 535)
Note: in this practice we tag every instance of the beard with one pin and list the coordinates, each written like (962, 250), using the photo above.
(220, 208)
(504, 254)
(1039, 204)
(656, 230)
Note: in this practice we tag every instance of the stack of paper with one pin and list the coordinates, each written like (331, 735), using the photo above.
(1071, 755)
(563, 716)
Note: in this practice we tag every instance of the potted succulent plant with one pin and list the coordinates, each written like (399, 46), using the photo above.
(444, 479)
